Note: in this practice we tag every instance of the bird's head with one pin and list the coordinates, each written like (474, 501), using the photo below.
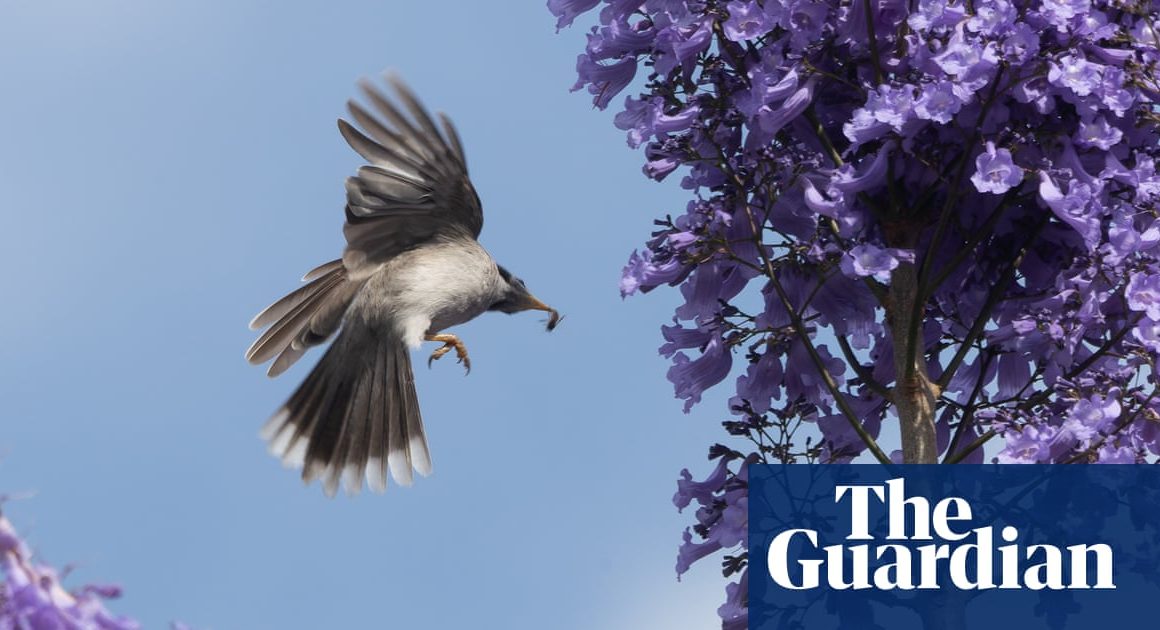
(516, 297)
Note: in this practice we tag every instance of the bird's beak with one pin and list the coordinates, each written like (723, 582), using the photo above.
(533, 304)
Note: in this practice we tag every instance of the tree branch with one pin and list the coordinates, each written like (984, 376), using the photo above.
(831, 385)
(992, 300)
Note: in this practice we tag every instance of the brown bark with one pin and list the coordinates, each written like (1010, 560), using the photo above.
(914, 392)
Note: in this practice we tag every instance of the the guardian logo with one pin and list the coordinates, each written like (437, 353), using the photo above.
(957, 555)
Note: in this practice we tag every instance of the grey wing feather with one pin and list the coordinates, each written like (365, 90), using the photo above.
(453, 138)
(289, 302)
(304, 318)
(321, 270)
(416, 186)
(283, 332)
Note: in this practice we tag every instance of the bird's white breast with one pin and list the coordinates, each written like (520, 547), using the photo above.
(432, 287)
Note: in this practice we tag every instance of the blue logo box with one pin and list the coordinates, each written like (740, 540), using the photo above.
(953, 547)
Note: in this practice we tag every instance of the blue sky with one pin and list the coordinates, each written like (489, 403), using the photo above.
(168, 169)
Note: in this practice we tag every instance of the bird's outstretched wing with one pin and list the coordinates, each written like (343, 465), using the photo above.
(415, 186)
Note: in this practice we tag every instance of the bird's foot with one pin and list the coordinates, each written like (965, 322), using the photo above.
(449, 342)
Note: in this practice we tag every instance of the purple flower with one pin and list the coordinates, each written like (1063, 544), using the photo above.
(691, 377)
(771, 121)
(700, 491)
(841, 441)
(663, 158)
(644, 272)
(646, 119)
(767, 86)
(734, 613)
(870, 260)
(1034, 444)
(1097, 133)
(804, 19)
(1060, 12)
(680, 43)
(1094, 24)
(759, 385)
(1090, 416)
(936, 15)
(691, 552)
(892, 105)
(1075, 73)
(1021, 44)
(1144, 294)
(992, 17)
(872, 174)
(1112, 454)
(604, 81)
(747, 20)
(863, 127)
(1073, 208)
(1112, 92)
(567, 10)
(995, 172)
(970, 61)
(1144, 35)
(1035, 90)
(1147, 332)
(731, 529)
(938, 102)
(962, 56)
(619, 39)
(1014, 373)
(31, 595)
(637, 119)
(1124, 239)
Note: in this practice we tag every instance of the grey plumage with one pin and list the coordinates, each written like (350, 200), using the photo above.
(415, 187)
(411, 268)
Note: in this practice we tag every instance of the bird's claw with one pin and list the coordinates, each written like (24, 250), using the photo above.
(449, 342)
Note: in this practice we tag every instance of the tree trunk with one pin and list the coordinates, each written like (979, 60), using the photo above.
(914, 396)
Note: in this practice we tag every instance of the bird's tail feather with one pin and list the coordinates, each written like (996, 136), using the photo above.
(355, 415)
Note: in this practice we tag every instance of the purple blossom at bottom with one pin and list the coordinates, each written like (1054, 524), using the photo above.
(33, 598)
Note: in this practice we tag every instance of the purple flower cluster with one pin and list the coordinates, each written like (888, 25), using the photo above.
(950, 197)
(32, 597)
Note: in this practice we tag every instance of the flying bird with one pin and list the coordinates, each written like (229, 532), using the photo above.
(412, 268)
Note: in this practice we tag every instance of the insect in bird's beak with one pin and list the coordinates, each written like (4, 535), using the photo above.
(554, 317)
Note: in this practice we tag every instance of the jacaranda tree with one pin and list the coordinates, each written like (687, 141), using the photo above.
(929, 219)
